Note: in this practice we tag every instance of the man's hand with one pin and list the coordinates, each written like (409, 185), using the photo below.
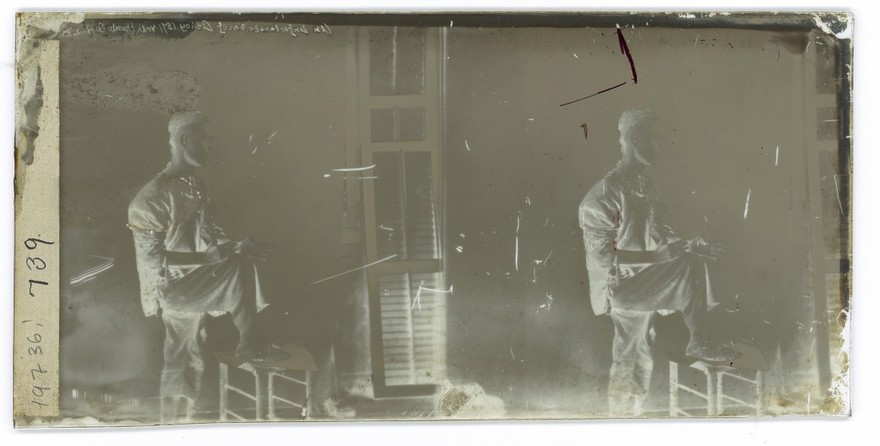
(219, 253)
(703, 248)
(251, 248)
(152, 309)
(670, 251)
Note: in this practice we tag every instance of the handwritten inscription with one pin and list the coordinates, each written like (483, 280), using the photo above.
(167, 28)
(33, 330)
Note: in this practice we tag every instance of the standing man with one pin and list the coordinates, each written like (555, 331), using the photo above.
(187, 266)
(638, 267)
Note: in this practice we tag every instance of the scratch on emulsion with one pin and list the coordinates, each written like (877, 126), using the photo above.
(746, 211)
(516, 246)
(436, 290)
(354, 169)
(586, 130)
(418, 300)
(538, 265)
(354, 269)
(547, 305)
(837, 189)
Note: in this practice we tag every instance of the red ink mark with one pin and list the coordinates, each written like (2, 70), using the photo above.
(586, 132)
(594, 94)
(616, 230)
(624, 48)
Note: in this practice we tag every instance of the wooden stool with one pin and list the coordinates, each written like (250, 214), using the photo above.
(747, 370)
(266, 376)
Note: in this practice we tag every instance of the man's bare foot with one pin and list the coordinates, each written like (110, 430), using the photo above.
(245, 351)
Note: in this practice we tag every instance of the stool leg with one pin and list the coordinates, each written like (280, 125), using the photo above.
(308, 405)
(169, 411)
(759, 393)
(224, 389)
(673, 389)
(711, 382)
(271, 395)
(261, 395)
